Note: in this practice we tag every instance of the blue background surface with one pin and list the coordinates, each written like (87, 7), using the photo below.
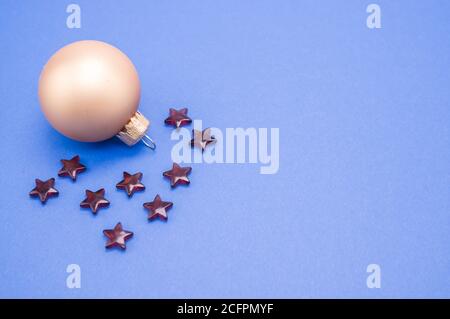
(364, 152)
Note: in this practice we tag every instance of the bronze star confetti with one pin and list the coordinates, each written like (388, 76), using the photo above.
(158, 208)
(131, 183)
(117, 236)
(95, 200)
(178, 118)
(44, 189)
(202, 139)
(178, 175)
(71, 167)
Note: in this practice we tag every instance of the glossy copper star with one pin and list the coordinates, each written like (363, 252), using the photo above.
(117, 236)
(202, 139)
(178, 175)
(71, 167)
(158, 208)
(178, 118)
(95, 200)
(44, 189)
(131, 183)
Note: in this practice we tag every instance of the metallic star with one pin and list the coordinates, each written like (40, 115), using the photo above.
(117, 236)
(158, 208)
(131, 183)
(44, 189)
(202, 139)
(95, 200)
(71, 167)
(178, 175)
(178, 118)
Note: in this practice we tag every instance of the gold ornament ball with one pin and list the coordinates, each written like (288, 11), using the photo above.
(89, 91)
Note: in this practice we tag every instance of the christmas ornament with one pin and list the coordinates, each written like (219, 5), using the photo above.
(117, 236)
(178, 175)
(131, 183)
(89, 91)
(71, 167)
(44, 189)
(158, 208)
(178, 118)
(95, 200)
(202, 139)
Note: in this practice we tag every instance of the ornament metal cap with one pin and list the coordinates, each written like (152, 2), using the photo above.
(136, 130)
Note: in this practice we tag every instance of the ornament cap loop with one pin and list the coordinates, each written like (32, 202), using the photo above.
(147, 140)
(135, 130)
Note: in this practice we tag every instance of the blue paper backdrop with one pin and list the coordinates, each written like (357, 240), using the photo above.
(364, 152)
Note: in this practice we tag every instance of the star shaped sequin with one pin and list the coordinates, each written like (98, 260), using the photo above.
(71, 167)
(95, 200)
(158, 208)
(131, 183)
(44, 189)
(178, 118)
(178, 175)
(202, 139)
(117, 236)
